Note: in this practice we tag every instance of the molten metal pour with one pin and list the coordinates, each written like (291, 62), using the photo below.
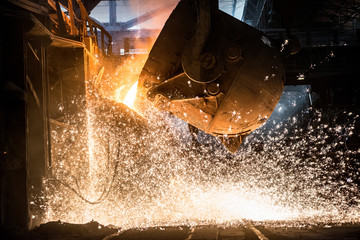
(130, 171)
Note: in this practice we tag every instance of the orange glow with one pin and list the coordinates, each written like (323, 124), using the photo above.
(117, 170)
(131, 95)
(120, 85)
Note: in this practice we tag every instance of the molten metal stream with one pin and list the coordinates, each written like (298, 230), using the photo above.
(131, 95)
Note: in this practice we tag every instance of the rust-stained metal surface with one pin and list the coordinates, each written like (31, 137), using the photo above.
(214, 72)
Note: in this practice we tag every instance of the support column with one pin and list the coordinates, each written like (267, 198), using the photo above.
(14, 208)
(234, 8)
(112, 13)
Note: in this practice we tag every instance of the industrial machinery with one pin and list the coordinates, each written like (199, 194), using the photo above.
(215, 72)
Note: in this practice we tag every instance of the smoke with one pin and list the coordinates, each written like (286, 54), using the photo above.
(157, 18)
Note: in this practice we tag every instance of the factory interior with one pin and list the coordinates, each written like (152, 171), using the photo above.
(180, 119)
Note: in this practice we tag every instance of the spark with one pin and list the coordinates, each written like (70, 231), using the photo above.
(131, 172)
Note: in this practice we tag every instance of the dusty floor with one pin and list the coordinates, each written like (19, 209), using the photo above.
(249, 231)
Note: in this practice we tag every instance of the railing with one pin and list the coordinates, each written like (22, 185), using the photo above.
(70, 25)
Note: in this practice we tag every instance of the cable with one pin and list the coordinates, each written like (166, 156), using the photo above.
(104, 194)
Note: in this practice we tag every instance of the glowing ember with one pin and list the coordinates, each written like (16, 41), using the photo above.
(131, 95)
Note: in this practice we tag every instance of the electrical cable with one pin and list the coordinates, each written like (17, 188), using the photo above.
(104, 194)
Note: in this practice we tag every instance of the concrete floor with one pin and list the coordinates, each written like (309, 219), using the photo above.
(93, 230)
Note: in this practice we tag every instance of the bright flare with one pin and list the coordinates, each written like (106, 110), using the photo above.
(131, 95)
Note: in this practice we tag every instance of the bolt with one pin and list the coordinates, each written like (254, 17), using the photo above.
(233, 53)
(207, 61)
(213, 88)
